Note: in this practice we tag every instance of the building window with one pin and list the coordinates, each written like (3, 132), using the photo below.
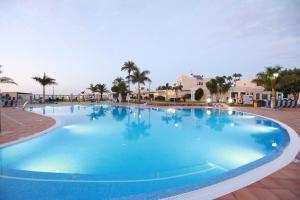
(257, 96)
(234, 95)
(200, 83)
(264, 96)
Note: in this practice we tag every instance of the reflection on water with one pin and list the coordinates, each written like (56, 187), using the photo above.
(139, 128)
(136, 130)
(199, 113)
(138, 123)
(72, 108)
(171, 116)
(119, 113)
(217, 120)
(268, 139)
(97, 113)
(186, 112)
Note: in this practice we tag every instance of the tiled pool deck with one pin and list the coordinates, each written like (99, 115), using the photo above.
(17, 123)
(284, 184)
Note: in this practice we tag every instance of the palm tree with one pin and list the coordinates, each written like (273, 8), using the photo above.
(288, 82)
(167, 86)
(223, 84)
(236, 77)
(176, 88)
(212, 86)
(265, 78)
(4, 79)
(93, 88)
(129, 66)
(140, 78)
(119, 87)
(44, 81)
(101, 88)
(118, 80)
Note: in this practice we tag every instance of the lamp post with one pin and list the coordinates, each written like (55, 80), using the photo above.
(273, 101)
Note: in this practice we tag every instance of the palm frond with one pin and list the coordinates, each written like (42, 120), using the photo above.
(7, 80)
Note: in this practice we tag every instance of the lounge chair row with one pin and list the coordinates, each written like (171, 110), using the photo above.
(286, 103)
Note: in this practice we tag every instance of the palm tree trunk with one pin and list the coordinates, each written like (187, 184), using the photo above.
(129, 84)
(43, 94)
(139, 93)
(101, 96)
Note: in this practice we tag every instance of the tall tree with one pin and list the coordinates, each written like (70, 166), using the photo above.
(212, 86)
(130, 67)
(223, 84)
(44, 81)
(167, 88)
(101, 88)
(177, 88)
(119, 87)
(118, 80)
(265, 78)
(236, 77)
(93, 88)
(288, 82)
(140, 78)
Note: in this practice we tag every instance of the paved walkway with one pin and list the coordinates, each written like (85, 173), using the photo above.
(283, 184)
(17, 123)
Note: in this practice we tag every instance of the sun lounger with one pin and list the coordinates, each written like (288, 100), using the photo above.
(22, 106)
(293, 103)
(278, 103)
(289, 102)
(268, 103)
(284, 103)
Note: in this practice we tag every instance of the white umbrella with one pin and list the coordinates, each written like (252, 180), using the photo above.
(120, 98)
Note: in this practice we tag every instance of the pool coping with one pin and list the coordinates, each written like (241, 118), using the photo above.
(224, 187)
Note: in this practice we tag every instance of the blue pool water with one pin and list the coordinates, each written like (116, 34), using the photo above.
(106, 152)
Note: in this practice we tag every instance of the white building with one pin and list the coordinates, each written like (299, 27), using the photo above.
(242, 87)
(21, 97)
(193, 82)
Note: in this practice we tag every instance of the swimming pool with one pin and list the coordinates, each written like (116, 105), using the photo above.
(117, 152)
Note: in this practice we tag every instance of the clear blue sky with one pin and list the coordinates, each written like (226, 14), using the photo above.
(82, 42)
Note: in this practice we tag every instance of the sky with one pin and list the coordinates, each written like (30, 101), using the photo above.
(82, 42)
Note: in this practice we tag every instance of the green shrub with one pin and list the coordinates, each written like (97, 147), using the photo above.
(199, 94)
(160, 98)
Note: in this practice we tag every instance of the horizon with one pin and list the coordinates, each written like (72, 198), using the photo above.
(88, 42)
